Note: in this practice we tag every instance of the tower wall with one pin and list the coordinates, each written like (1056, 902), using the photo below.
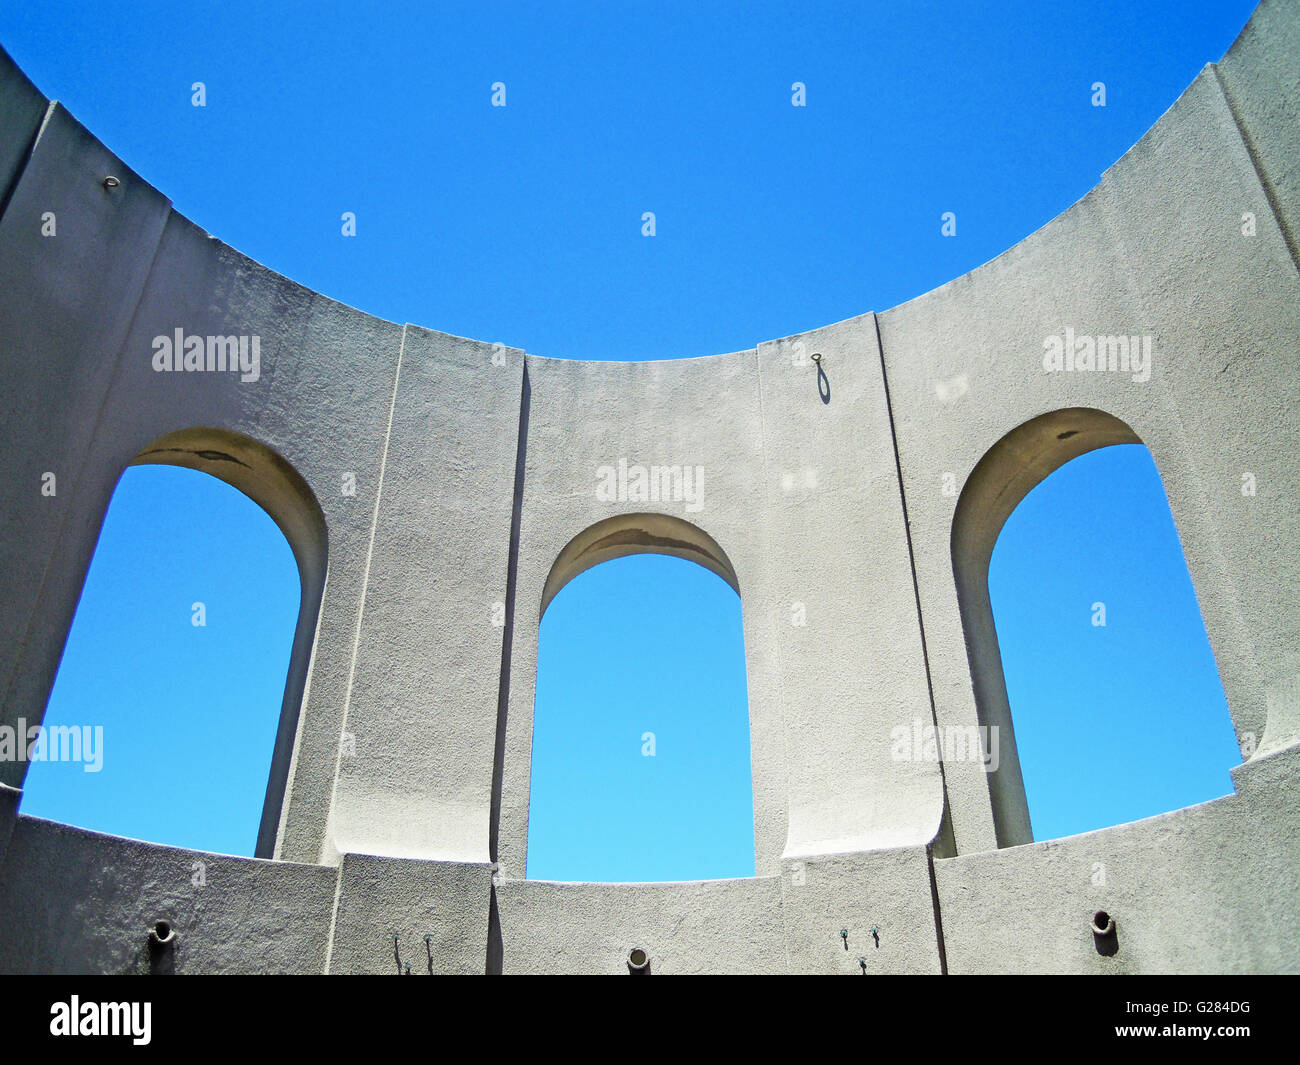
(400, 786)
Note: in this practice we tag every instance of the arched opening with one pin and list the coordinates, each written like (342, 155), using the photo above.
(641, 753)
(1119, 713)
(195, 623)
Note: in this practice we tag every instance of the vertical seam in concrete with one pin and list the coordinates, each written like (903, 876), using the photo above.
(911, 558)
(365, 588)
(925, 651)
(1270, 194)
(780, 668)
(938, 912)
(776, 640)
(494, 962)
(508, 633)
(28, 152)
(334, 915)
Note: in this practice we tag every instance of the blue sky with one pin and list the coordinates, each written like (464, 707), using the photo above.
(523, 224)
(1113, 721)
(189, 711)
(641, 728)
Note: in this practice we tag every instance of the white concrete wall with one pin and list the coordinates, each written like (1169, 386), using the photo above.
(823, 486)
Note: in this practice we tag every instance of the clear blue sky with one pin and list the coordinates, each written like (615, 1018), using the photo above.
(1116, 721)
(189, 711)
(523, 224)
(642, 645)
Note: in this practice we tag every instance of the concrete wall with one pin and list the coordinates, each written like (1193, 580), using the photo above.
(398, 798)
(1155, 249)
(781, 467)
(1208, 889)
(81, 902)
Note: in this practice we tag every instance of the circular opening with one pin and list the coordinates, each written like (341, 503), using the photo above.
(162, 932)
(1101, 923)
(637, 958)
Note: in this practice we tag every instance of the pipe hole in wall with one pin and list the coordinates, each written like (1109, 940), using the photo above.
(161, 949)
(638, 961)
(1104, 936)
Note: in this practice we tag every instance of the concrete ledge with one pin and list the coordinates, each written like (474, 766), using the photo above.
(380, 898)
(75, 901)
(710, 926)
(1206, 889)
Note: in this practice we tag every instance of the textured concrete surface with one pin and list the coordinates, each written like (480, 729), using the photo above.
(383, 898)
(423, 701)
(885, 891)
(1211, 888)
(81, 902)
(9, 798)
(849, 482)
(711, 926)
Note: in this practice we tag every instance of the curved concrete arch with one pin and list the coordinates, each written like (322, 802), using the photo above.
(271, 482)
(620, 536)
(636, 534)
(262, 474)
(1009, 471)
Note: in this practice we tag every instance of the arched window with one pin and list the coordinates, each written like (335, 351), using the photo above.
(641, 762)
(173, 712)
(1099, 654)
